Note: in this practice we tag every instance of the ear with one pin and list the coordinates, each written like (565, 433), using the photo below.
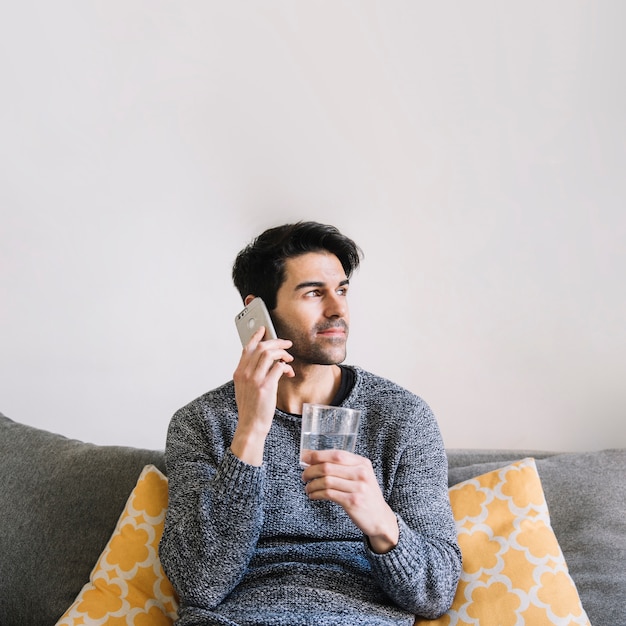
(248, 299)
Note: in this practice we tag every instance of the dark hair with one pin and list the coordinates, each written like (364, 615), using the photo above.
(259, 268)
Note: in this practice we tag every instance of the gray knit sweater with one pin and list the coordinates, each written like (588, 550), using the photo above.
(243, 545)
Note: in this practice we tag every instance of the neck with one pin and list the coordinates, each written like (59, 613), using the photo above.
(312, 383)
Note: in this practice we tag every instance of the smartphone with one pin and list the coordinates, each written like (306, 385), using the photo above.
(253, 317)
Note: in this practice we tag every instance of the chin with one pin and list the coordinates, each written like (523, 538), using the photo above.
(333, 359)
(316, 354)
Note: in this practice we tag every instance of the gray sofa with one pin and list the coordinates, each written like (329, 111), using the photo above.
(60, 500)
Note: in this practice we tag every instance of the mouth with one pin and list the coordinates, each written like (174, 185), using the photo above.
(338, 331)
(333, 333)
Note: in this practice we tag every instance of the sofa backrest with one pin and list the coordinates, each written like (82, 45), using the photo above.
(586, 497)
(60, 500)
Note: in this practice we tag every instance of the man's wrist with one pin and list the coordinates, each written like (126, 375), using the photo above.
(388, 537)
(248, 447)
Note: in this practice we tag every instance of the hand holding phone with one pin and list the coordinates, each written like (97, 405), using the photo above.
(251, 319)
(256, 382)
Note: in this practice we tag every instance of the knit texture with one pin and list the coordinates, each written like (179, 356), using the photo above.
(243, 545)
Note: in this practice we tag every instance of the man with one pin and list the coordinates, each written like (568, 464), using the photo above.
(250, 537)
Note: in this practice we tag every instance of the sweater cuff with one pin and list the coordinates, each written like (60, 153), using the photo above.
(395, 559)
(236, 480)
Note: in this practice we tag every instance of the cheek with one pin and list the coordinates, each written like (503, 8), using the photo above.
(284, 329)
(299, 332)
(294, 319)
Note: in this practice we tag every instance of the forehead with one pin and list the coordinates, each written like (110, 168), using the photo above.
(314, 266)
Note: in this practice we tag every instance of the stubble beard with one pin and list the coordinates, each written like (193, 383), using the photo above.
(310, 349)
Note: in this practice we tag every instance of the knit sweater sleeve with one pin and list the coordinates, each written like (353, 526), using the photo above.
(421, 573)
(214, 515)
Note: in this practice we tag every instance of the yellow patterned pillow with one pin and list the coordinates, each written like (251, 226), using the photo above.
(514, 572)
(127, 586)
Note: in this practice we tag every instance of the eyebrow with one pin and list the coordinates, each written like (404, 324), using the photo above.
(316, 283)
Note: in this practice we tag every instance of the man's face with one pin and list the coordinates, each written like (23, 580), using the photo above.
(312, 308)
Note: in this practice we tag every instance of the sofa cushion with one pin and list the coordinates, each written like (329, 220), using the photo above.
(60, 500)
(586, 496)
(513, 567)
(128, 579)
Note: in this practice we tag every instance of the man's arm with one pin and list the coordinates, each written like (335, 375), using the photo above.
(349, 480)
(215, 515)
(414, 556)
(422, 572)
(262, 365)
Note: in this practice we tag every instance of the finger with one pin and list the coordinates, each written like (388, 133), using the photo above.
(328, 484)
(339, 457)
(256, 338)
(273, 363)
(325, 470)
(259, 357)
(279, 369)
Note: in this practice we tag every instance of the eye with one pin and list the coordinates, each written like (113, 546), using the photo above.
(314, 293)
(342, 291)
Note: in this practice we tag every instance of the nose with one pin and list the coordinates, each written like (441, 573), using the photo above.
(336, 306)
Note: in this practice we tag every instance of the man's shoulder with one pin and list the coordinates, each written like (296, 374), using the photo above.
(370, 383)
(206, 422)
(219, 399)
(390, 407)
(375, 390)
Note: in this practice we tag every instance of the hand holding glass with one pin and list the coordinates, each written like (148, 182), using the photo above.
(327, 427)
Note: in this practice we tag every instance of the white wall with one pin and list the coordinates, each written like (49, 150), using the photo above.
(475, 150)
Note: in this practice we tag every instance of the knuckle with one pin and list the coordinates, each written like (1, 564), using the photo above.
(355, 500)
(338, 456)
(362, 473)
